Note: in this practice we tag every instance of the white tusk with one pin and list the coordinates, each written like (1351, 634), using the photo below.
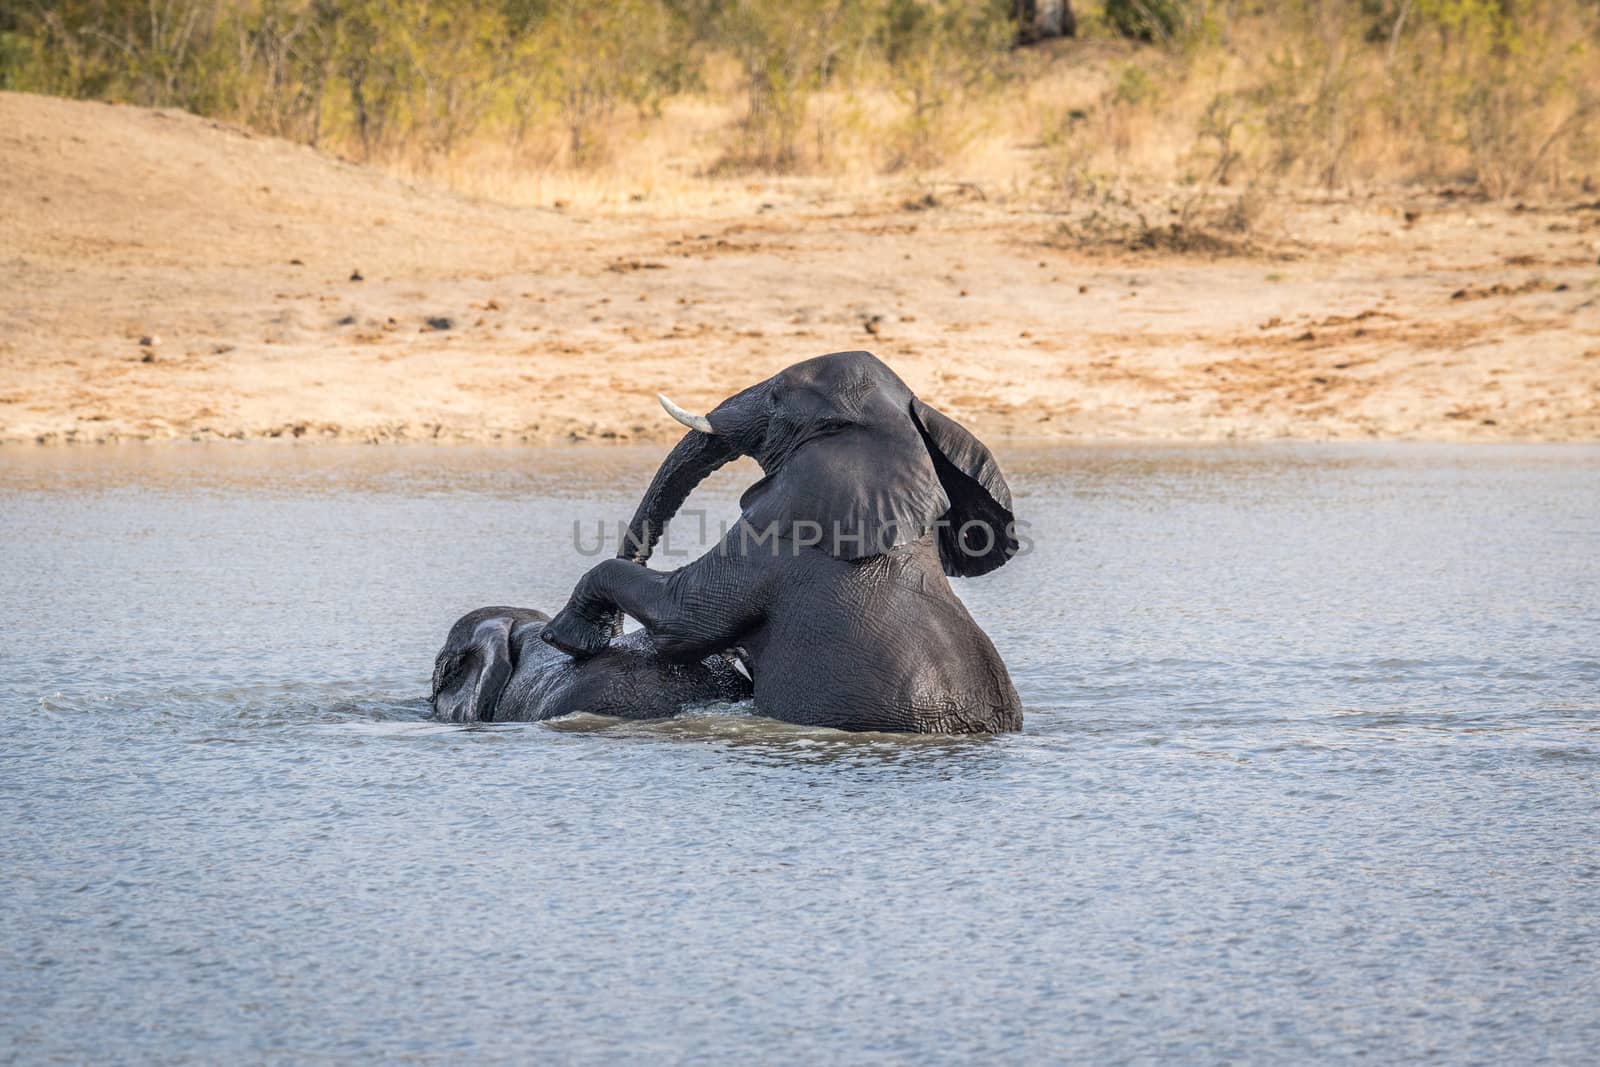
(694, 422)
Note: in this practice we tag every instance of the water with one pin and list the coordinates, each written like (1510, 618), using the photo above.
(1309, 771)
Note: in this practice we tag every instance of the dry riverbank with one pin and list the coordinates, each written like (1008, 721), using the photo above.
(165, 277)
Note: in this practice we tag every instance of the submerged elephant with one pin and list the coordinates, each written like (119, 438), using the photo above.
(832, 585)
(494, 668)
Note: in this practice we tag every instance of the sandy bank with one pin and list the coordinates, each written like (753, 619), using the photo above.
(162, 276)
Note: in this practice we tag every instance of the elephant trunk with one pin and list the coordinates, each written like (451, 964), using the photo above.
(686, 466)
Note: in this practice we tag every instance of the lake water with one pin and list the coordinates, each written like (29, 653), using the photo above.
(1309, 772)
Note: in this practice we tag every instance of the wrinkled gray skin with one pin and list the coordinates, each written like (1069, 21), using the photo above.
(843, 614)
(494, 668)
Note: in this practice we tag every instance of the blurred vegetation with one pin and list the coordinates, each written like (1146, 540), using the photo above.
(1213, 95)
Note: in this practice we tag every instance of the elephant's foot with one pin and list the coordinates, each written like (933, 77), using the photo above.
(578, 635)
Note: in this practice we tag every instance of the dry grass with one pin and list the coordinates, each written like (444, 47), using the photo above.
(1497, 100)
(1080, 127)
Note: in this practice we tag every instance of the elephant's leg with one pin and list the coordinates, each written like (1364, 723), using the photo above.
(691, 612)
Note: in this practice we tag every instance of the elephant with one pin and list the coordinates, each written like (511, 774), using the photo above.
(832, 586)
(494, 668)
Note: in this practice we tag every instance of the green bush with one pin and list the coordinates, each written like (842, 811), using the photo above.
(1503, 95)
(1147, 20)
(939, 54)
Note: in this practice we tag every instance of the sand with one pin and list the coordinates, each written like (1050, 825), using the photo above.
(167, 277)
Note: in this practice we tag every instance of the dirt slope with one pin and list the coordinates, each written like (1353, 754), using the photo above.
(233, 255)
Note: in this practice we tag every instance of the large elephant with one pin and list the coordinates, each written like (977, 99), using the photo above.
(832, 585)
(494, 668)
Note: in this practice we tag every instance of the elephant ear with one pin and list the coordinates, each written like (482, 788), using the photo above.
(854, 494)
(976, 534)
(472, 669)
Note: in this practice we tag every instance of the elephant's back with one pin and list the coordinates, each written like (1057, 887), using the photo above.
(627, 679)
(882, 645)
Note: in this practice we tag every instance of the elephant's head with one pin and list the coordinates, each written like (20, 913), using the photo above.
(854, 464)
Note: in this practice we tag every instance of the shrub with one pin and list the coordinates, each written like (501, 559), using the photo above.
(939, 54)
(1147, 20)
(787, 51)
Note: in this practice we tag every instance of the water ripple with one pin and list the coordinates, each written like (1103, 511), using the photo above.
(1309, 775)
